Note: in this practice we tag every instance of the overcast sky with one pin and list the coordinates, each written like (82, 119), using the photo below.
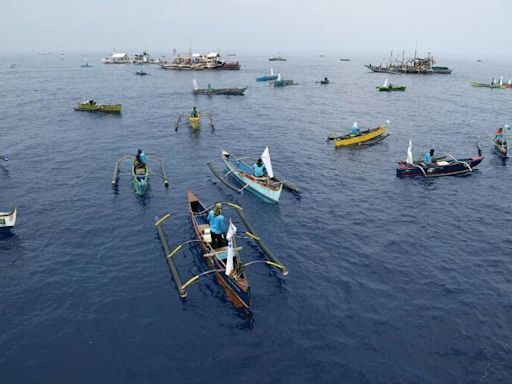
(260, 26)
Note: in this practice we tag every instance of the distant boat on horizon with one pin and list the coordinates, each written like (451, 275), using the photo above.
(277, 58)
(344, 59)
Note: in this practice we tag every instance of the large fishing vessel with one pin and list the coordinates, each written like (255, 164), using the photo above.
(198, 62)
(414, 65)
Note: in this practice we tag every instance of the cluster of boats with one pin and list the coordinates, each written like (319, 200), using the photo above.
(414, 65)
(199, 62)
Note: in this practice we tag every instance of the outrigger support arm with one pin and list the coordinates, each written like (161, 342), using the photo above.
(162, 169)
(170, 262)
(116, 169)
(253, 235)
(192, 280)
(229, 185)
(462, 162)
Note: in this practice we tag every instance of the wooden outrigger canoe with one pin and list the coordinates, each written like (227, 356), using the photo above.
(487, 85)
(236, 285)
(365, 137)
(7, 220)
(263, 187)
(194, 122)
(87, 106)
(140, 175)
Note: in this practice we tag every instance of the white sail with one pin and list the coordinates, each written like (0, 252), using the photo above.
(385, 83)
(194, 85)
(501, 80)
(279, 78)
(271, 71)
(231, 248)
(355, 125)
(409, 153)
(265, 157)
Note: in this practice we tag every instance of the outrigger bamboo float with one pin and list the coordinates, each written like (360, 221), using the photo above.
(451, 166)
(194, 121)
(91, 106)
(225, 261)
(7, 220)
(217, 91)
(267, 187)
(363, 138)
(140, 174)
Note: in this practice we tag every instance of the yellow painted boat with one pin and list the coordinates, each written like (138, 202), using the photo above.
(194, 121)
(370, 135)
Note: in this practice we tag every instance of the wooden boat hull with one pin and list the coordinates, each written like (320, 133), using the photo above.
(268, 191)
(501, 149)
(194, 122)
(105, 108)
(221, 91)
(441, 168)
(367, 136)
(237, 290)
(393, 88)
(140, 181)
(7, 220)
(266, 78)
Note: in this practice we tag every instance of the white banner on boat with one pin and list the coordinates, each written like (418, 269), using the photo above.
(265, 157)
(409, 153)
(279, 78)
(271, 71)
(231, 248)
(194, 85)
(385, 83)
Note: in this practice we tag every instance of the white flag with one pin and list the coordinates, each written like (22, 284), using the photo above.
(409, 153)
(194, 85)
(385, 83)
(265, 157)
(271, 71)
(279, 78)
(231, 249)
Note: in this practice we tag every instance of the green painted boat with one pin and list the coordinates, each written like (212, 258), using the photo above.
(91, 106)
(284, 83)
(390, 88)
(487, 85)
(140, 179)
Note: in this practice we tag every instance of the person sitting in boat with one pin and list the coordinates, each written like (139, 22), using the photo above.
(92, 102)
(140, 159)
(427, 159)
(258, 168)
(493, 81)
(194, 112)
(326, 80)
(217, 226)
(355, 129)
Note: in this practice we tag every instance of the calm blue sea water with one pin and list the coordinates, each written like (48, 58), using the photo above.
(391, 281)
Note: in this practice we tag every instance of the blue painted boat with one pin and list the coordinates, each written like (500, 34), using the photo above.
(266, 188)
(266, 77)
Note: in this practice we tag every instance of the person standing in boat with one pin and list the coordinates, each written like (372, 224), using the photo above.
(355, 129)
(428, 158)
(194, 112)
(217, 226)
(140, 159)
(258, 168)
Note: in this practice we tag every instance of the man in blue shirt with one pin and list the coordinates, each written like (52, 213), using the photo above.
(427, 159)
(258, 168)
(355, 130)
(217, 226)
(140, 159)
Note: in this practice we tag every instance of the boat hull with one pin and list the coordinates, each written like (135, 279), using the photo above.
(243, 174)
(238, 291)
(7, 220)
(221, 91)
(441, 168)
(266, 78)
(284, 83)
(349, 140)
(105, 108)
(391, 89)
(501, 149)
(194, 122)
(485, 85)
(140, 181)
